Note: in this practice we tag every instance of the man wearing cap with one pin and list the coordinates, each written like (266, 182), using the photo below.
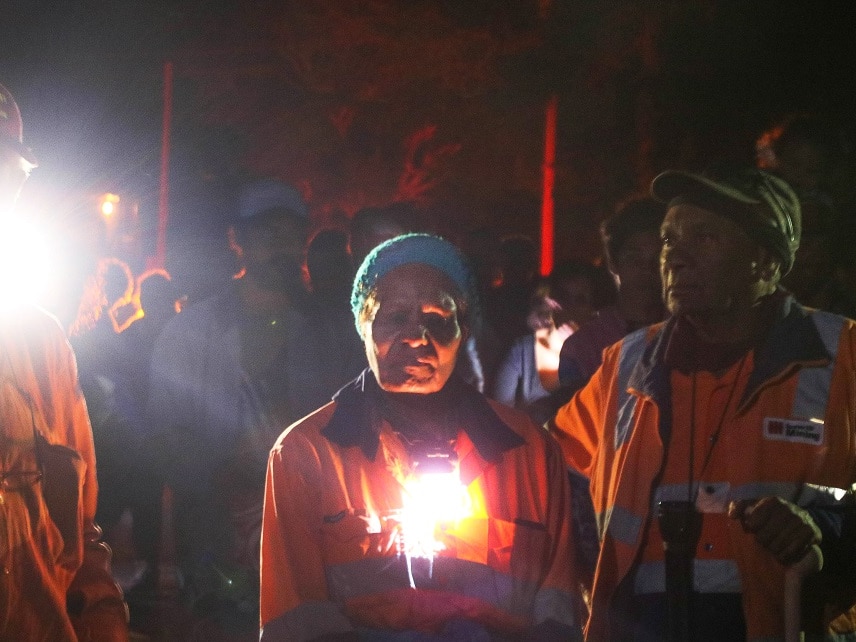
(412, 507)
(226, 375)
(55, 581)
(720, 443)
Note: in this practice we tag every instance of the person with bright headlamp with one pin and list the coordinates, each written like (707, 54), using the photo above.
(341, 556)
(55, 581)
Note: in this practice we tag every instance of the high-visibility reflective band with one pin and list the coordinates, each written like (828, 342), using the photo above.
(814, 495)
(800, 494)
(674, 493)
(373, 576)
(709, 576)
(305, 622)
(632, 349)
(813, 385)
(621, 524)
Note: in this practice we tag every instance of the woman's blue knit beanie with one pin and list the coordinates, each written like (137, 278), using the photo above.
(412, 248)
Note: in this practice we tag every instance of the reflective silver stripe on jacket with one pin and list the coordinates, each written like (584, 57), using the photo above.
(813, 385)
(374, 576)
(632, 349)
(709, 576)
(622, 525)
(800, 494)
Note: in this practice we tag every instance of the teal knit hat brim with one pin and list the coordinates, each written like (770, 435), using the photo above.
(426, 249)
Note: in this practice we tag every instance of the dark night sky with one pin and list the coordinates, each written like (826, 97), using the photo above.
(327, 94)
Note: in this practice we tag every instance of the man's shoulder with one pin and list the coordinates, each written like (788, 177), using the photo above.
(636, 339)
(830, 326)
(823, 316)
(214, 310)
(32, 324)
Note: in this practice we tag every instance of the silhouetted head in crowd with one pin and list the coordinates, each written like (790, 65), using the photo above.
(518, 260)
(328, 262)
(269, 235)
(481, 247)
(566, 297)
(371, 226)
(803, 149)
(631, 245)
(159, 298)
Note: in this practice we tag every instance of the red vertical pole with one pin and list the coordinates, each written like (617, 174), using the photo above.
(163, 200)
(549, 170)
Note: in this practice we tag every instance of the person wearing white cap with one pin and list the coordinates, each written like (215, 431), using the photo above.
(227, 374)
(55, 581)
(720, 443)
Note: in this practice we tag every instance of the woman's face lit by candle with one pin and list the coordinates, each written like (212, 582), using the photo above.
(412, 329)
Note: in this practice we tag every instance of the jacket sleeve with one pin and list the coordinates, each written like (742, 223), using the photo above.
(578, 424)
(837, 519)
(95, 602)
(295, 604)
(556, 613)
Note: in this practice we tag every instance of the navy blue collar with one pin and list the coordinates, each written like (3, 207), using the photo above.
(793, 338)
(357, 420)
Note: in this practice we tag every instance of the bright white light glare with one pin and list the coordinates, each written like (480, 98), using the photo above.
(431, 500)
(107, 208)
(25, 264)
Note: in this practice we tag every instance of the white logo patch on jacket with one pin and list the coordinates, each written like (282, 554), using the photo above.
(795, 430)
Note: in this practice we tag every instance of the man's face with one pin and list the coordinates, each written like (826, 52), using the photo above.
(412, 331)
(637, 265)
(707, 264)
(575, 296)
(273, 249)
(13, 173)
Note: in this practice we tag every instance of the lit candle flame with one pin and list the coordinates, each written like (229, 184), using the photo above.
(431, 501)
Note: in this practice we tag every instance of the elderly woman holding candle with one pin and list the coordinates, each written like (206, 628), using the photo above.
(412, 507)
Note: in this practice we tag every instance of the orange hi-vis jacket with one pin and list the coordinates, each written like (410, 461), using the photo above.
(332, 557)
(793, 435)
(55, 580)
